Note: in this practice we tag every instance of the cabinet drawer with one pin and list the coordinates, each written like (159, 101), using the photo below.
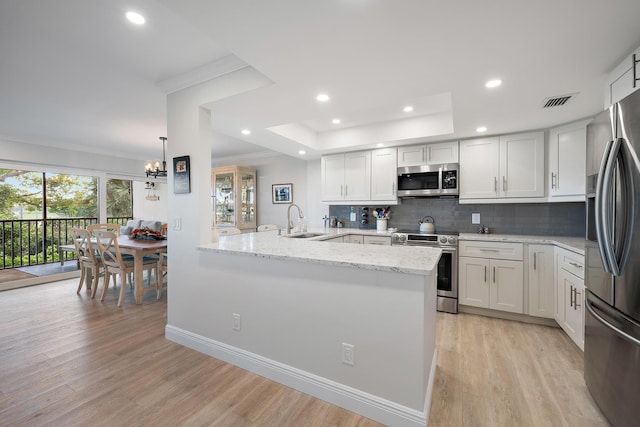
(495, 250)
(377, 240)
(571, 262)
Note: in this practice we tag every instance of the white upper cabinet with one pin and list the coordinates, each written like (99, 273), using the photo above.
(567, 162)
(360, 177)
(509, 166)
(384, 176)
(357, 175)
(442, 152)
(332, 173)
(479, 168)
(522, 165)
(415, 155)
(620, 82)
(428, 154)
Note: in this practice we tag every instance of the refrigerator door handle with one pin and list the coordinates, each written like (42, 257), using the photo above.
(628, 193)
(628, 199)
(592, 309)
(606, 207)
(598, 207)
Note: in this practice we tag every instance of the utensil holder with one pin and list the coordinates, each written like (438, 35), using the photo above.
(381, 224)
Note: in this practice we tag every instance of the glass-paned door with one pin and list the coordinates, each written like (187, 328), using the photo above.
(248, 198)
(224, 198)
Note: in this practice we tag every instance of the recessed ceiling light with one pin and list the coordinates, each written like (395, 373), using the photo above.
(379, 144)
(481, 129)
(493, 83)
(335, 121)
(302, 152)
(135, 17)
(408, 109)
(246, 132)
(323, 97)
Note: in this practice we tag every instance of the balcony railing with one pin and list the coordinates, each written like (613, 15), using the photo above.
(25, 242)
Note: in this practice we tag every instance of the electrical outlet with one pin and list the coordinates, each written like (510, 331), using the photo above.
(475, 218)
(236, 322)
(348, 354)
(177, 223)
(352, 217)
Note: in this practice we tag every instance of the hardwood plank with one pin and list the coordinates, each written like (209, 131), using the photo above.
(66, 359)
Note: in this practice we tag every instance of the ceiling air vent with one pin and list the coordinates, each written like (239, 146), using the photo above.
(557, 101)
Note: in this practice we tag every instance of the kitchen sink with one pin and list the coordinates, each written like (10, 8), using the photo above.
(303, 235)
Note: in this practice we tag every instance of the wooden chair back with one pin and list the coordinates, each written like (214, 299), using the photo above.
(109, 249)
(94, 228)
(84, 248)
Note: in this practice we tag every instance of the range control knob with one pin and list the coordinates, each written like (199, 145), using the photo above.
(443, 239)
(451, 240)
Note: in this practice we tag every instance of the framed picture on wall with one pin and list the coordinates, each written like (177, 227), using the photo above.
(282, 193)
(181, 181)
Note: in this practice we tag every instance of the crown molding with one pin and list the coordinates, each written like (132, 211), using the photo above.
(212, 70)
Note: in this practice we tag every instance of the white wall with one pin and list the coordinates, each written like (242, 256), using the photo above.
(146, 209)
(56, 158)
(15, 154)
(315, 207)
(283, 169)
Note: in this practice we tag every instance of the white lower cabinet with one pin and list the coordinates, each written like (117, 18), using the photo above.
(354, 238)
(377, 240)
(569, 308)
(488, 281)
(361, 239)
(541, 281)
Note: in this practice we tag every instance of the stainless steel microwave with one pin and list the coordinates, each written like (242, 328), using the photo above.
(428, 180)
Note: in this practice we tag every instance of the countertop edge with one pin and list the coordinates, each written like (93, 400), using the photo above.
(212, 247)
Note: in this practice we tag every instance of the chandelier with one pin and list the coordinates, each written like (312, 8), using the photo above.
(154, 169)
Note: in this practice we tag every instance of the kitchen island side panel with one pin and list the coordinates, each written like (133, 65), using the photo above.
(300, 314)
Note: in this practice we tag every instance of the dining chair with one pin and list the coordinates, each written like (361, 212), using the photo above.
(227, 231)
(87, 258)
(268, 227)
(94, 228)
(161, 269)
(115, 264)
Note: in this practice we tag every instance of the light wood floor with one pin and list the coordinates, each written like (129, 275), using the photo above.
(68, 360)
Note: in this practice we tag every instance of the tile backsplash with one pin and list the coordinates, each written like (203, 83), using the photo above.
(552, 219)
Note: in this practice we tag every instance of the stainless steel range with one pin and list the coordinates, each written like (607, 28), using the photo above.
(447, 267)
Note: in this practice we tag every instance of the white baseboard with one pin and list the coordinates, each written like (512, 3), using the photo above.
(354, 400)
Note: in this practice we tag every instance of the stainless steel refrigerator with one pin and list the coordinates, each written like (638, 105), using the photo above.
(612, 318)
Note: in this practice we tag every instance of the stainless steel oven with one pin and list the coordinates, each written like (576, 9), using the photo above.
(447, 266)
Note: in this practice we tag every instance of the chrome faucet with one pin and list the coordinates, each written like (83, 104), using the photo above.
(289, 223)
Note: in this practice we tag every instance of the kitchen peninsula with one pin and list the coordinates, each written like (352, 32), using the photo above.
(351, 324)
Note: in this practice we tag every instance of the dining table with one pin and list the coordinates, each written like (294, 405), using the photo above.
(138, 249)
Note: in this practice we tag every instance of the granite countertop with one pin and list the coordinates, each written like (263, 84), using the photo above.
(574, 244)
(402, 259)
